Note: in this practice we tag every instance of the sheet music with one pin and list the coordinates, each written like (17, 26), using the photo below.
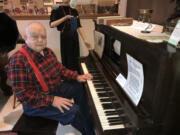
(175, 36)
(99, 43)
(135, 80)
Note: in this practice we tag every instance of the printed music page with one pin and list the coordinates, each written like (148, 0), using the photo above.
(135, 80)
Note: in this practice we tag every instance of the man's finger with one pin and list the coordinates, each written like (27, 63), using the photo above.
(60, 108)
(65, 107)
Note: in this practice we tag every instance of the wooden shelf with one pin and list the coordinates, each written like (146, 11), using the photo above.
(30, 17)
(94, 16)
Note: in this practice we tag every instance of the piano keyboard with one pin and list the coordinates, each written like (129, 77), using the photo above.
(111, 115)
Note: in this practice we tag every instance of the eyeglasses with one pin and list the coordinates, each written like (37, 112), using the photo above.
(36, 37)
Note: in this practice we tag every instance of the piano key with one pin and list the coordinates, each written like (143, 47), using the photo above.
(108, 99)
(116, 123)
(97, 74)
(118, 120)
(115, 118)
(112, 113)
(120, 112)
(108, 106)
(105, 94)
(98, 78)
(93, 71)
(98, 81)
(101, 90)
(100, 85)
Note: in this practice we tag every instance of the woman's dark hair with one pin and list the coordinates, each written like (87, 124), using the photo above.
(8, 33)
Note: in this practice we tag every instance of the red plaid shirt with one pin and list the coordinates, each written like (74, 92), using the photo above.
(24, 81)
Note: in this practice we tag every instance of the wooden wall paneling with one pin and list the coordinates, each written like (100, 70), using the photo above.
(162, 9)
(132, 6)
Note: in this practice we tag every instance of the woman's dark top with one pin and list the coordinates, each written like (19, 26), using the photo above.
(61, 12)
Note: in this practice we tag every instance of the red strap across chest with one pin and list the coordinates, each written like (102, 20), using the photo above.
(36, 70)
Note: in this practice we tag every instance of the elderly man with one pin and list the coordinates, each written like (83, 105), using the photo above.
(46, 88)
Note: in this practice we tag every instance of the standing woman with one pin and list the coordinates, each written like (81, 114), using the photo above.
(67, 21)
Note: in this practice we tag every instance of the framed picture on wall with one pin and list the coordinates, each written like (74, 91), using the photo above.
(48, 2)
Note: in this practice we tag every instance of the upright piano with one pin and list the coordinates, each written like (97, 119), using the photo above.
(114, 113)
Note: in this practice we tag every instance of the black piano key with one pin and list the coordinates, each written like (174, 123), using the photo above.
(107, 111)
(108, 99)
(116, 123)
(100, 90)
(97, 74)
(104, 85)
(108, 89)
(93, 71)
(105, 94)
(111, 106)
(108, 106)
(98, 78)
(118, 112)
(91, 67)
(112, 113)
(116, 119)
(116, 105)
(98, 81)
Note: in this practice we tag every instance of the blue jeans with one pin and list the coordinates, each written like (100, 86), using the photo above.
(79, 114)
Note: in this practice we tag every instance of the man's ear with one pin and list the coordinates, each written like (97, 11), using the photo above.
(25, 37)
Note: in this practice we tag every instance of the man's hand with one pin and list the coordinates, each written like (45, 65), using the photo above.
(60, 103)
(84, 78)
